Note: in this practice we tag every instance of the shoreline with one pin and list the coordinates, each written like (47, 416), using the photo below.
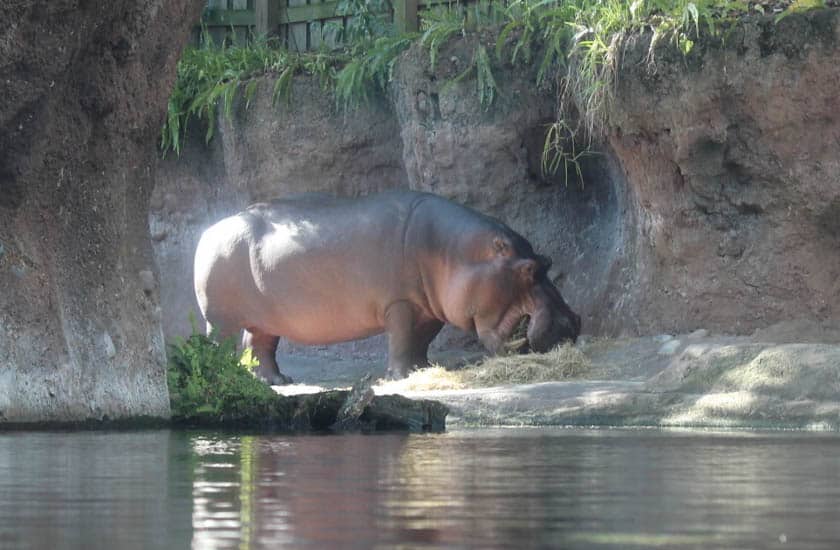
(694, 380)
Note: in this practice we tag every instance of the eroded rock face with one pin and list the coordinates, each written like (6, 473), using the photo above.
(84, 90)
(733, 158)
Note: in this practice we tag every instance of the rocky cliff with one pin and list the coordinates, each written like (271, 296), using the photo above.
(733, 161)
(84, 87)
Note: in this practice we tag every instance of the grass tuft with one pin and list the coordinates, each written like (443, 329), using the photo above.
(211, 77)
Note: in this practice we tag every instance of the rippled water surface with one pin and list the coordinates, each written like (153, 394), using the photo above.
(519, 488)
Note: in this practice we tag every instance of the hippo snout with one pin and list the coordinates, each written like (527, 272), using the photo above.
(548, 330)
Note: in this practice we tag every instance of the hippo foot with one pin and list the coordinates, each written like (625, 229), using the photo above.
(272, 377)
(399, 374)
(400, 371)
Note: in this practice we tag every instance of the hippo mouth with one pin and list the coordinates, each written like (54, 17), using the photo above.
(517, 341)
(539, 328)
(508, 334)
(538, 333)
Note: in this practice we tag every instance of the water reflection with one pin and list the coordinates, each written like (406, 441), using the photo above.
(89, 489)
(525, 488)
(486, 489)
(298, 490)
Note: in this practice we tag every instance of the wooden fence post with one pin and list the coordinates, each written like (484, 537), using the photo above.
(267, 15)
(405, 15)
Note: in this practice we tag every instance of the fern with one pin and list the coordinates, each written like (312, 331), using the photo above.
(210, 381)
(487, 87)
(439, 26)
(368, 73)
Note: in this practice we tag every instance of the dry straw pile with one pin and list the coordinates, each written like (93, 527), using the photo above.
(561, 363)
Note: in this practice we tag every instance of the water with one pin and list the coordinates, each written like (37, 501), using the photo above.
(523, 488)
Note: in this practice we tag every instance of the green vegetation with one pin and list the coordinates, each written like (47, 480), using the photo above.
(209, 78)
(210, 385)
(369, 70)
(209, 382)
(799, 6)
(573, 47)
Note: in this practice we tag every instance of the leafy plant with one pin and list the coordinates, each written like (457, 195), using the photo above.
(367, 20)
(486, 87)
(799, 6)
(444, 22)
(439, 25)
(369, 70)
(210, 381)
(210, 77)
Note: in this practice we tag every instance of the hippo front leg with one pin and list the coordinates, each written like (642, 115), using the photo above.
(264, 346)
(423, 335)
(408, 339)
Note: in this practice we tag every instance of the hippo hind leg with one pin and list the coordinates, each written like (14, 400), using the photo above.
(221, 329)
(264, 347)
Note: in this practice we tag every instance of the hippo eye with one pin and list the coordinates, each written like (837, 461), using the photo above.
(501, 246)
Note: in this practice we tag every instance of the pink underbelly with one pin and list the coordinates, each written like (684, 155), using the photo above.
(328, 337)
(322, 327)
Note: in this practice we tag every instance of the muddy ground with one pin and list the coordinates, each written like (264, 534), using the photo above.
(782, 377)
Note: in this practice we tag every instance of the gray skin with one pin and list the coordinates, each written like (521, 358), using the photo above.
(319, 270)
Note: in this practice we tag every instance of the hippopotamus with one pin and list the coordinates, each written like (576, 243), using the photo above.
(316, 269)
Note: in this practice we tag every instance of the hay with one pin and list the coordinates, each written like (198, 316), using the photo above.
(431, 378)
(561, 363)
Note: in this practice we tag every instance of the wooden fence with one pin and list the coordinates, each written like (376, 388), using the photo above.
(300, 24)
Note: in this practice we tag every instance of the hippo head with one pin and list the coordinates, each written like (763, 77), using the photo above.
(552, 321)
(512, 282)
